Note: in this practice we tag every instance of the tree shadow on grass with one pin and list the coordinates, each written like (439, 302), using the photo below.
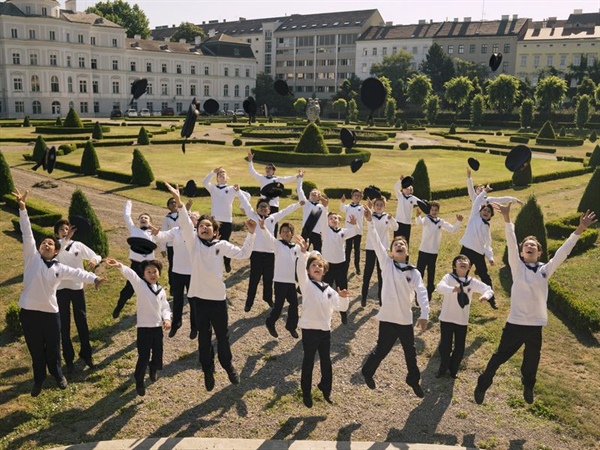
(120, 189)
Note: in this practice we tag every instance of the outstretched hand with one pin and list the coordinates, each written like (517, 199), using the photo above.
(368, 213)
(586, 220)
(504, 210)
(21, 198)
(112, 262)
(175, 193)
(251, 225)
(421, 325)
(344, 292)
(302, 243)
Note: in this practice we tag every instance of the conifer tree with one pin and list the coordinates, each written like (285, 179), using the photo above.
(39, 150)
(72, 120)
(7, 185)
(26, 122)
(143, 138)
(530, 222)
(591, 196)
(422, 188)
(97, 133)
(141, 173)
(97, 240)
(527, 108)
(312, 141)
(89, 160)
(595, 158)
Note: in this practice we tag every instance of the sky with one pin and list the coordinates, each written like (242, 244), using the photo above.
(173, 12)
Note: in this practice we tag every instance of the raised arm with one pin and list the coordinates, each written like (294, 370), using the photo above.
(127, 216)
(29, 248)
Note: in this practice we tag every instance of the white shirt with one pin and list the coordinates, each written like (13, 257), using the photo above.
(354, 210)
(529, 291)
(285, 259)
(152, 307)
(39, 281)
(72, 254)
(263, 180)
(222, 197)
(168, 223)
(182, 263)
(432, 232)
(406, 203)
(334, 243)
(398, 286)
(317, 305)
(308, 206)
(136, 232)
(451, 310)
(206, 281)
(383, 223)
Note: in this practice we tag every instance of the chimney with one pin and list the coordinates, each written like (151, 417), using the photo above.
(422, 21)
(505, 17)
(212, 32)
(467, 19)
(224, 20)
(456, 19)
(242, 19)
(197, 40)
(578, 11)
(71, 5)
(515, 16)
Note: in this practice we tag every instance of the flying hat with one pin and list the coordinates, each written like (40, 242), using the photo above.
(372, 192)
(190, 122)
(348, 138)
(373, 93)
(211, 106)
(272, 190)
(138, 88)
(141, 245)
(356, 165)
(311, 222)
(473, 164)
(495, 61)
(518, 158)
(50, 159)
(407, 182)
(424, 206)
(82, 226)
(190, 189)
(281, 87)
(249, 106)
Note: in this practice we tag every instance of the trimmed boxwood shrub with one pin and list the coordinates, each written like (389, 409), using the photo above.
(26, 122)
(452, 129)
(143, 138)
(11, 318)
(39, 150)
(312, 141)
(591, 196)
(283, 154)
(530, 222)
(67, 148)
(519, 139)
(119, 177)
(141, 173)
(403, 145)
(580, 312)
(97, 133)
(72, 120)
(66, 130)
(89, 160)
(58, 122)
(237, 142)
(595, 157)
(547, 131)
(422, 187)
(7, 186)
(593, 136)
(561, 142)
(97, 240)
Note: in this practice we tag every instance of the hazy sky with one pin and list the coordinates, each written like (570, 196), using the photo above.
(170, 12)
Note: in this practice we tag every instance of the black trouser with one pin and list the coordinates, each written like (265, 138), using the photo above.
(224, 235)
(427, 261)
(451, 333)
(513, 337)
(337, 275)
(403, 230)
(370, 262)
(170, 271)
(181, 283)
(149, 342)
(77, 297)
(262, 264)
(273, 210)
(127, 291)
(213, 314)
(478, 260)
(316, 241)
(314, 341)
(353, 242)
(283, 292)
(42, 335)
(388, 334)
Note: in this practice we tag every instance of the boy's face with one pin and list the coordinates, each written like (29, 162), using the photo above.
(407, 191)
(144, 221)
(379, 206)
(530, 252)
(399, 251)
(334, 221)
(479, 188)
(205, 230)
(313, 196)
(356, 197)
(434, 211)
(285, 233)
(151, 274)
(462, 267)
(63, 231)
(316, 270)
(269, 170)
(486, 212)
(222, 177)
(172, 205)
(47, 249)
(263, 209)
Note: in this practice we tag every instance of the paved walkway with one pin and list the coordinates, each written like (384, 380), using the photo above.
(249, 444)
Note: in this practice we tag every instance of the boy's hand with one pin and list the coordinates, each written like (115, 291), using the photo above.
(421, 325)
(250, 156)
(21, 198)
(459, 217)
(112, 262)
(154, 230)
(352, 220)
(175, 193)
(91, 265)
(189, 204)
(368, 214)
(251, 225)
(166, 325)
(324, 201)
(585, 221)
(344, 292)
(303, 244)
(98, 282)
(504, 210)
(302, 202)
(343, 198)
(300, 174)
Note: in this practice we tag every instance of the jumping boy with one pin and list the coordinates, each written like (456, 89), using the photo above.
(356, 210)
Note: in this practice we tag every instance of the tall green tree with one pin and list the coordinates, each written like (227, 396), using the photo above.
(470, 70)
(397, 68)
(477, 106)
(457, 91)
(503, 92)
(432, 108)
(527, 107)
(141, 172)
(311, 140)
(89, 160)
(352, 110)
(422, 189)
(39, 149)
(340, 105)
(591, 196)
(597, 95)
(132, 18)
(530, 222)
(419, 88)
(587, 86)
(438, 66)
(7, 186)
(348, 88)
(583, 110)
(550, 92)
(187, 31)
(266, 95)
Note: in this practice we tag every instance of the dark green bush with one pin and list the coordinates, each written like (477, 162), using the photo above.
(58, 122)
(404, 126)
(561, 142)
(527, 113)
(403, 145)
(308, 186)
(519, 139)
(452, 129)
(141, 173)
(89, 160)
(595, 157)
(97, 133)
(13, 324)
(39, 150)
(26, 122)
(237, 142)
(143, 138)
(593, 136)
(580, 312)
(591, 196)
(522, 178)
(72, 120)
(562, 132)
(547, 131)
(312, 141)
(7, 186)
(67, 148)
(97, 240)
(422, 188)
(530, 222)
(498, 133)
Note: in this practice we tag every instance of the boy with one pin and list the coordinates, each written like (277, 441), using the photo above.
(71, 292)
(310, 206)
(528, 303)
(354, 209)
(395, 315)
(430, 242)
(406, 202)
(142, 230)
(153, 317)
(458, 289)
(477, 240)
(39, 315)
(168, 223)
(319, 300)
(383, 223)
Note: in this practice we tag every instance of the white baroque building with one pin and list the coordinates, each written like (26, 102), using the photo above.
(52, 59)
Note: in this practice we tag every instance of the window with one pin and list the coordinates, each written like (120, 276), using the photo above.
(374, 51)
(28, 10)
(80, 38)
(225, 106)
(115, 64)
(35, 83)
(16, 58)
(247, 74)
(83, 87)
(206, 71)
(384, 51)
(52, 35)
(495, 48)
(576, 60)
(164, 105)
(14, 33)
(178, 68)
(461, 49)
(95, 87)
(178, 107)
(364, 68)
(394, 50)
(93, 41)
(33, 59)
(247, 91)
(164, 67)
(115, 87)
(550, 60)
(483, 48)
(150, 106)
(178, 89)
(415, 50)
(226, 90)
(69, 84)
(94, 63)
(164, 89)
(591, 60)
(193, 90)
(472, 48)
(536, 60)
(206, 90)
(19, 107)
(505, 66)
(523, 60)
(18, 84)
(115, 42)
(53, 60)
(149, 67)
(68, 61)
(96, 107)
(31, 34)
(44, 11)
(132, 66)
(54, 84)
(193, 69)
(450, 49)
(237, 72)
(226, 71)
(68, 38)
(149, 89)
(82, 62)
(55, 108)
(236, 90)
(37, 107)
(563, 61)
(506, 48)
(83, 107)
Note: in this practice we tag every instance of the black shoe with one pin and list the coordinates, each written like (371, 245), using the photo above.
(140, 388)
(173, 331)
(271, 328)
(440, 373)
(227, 267)
(357, 271)
(326, 395)
(62, 382)
(234, 378)
(70, 368)
(418, 390)
(153, 374)
(369, 380)
(479, 395)
(363, 301)
(88, 362)
(454, 375)
(36, 389)
(307, 400)
(344, 316)
(294, 334)
(528, 394)
(269, 302)
(193, 333)
(117, 311)
(492, 302)
(209, 380)
(247, 308)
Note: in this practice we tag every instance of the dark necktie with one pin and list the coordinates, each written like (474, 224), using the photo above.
(288, 244)
(433, 219)
(158, 287)
(335, 230)
(534, 269)
(49, 263)
(69, 246)
(405, 268)
(379, 216)
(406, 196)
(173, 218)
(207, 243)
(315, 203)
(144, 228)
(221, 186)
(462, 297)
(354, 205)
(487, 222)
(268, 177)
(321, 285)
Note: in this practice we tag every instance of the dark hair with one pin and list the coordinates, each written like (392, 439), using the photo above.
(211, 219)
(286, 225)
(171, 200)
(434, 203)
(272, 166)
(399, 238)
(58, 225)
(531, 238)
(487, 205)
(53, 239)
(151, 262)
(354, 191)
(460, 258)
(145, 214)
(262, 200)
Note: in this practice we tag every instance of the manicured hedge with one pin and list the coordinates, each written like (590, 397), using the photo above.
(202, 192)
(189, 141)
(285, 154)
(119, 177)
(579, 311)
(69, 130)
(519, 139)
(561, 142)
(447, 147)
